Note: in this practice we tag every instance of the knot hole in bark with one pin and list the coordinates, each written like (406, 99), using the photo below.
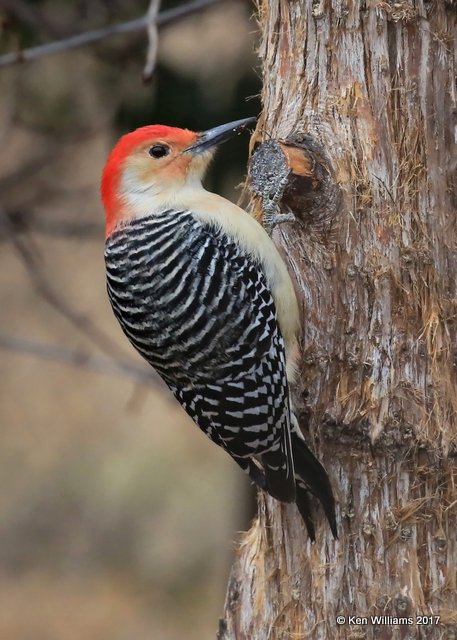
(295, 174)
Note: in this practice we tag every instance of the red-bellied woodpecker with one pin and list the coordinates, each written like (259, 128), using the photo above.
(202, 293)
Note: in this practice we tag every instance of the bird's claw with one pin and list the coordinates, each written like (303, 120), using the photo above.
(272, 215)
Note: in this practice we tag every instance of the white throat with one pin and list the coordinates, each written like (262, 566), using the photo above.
(144, 199)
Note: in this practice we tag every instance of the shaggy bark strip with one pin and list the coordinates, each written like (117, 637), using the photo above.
(370, 86)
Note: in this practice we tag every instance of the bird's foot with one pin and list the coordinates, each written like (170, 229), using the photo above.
(272, 215)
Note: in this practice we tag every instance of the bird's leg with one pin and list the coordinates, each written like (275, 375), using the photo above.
(271, 208)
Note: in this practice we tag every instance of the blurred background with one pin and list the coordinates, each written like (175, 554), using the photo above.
(118, 518)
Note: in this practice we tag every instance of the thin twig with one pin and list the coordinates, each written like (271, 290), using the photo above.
(81, 322)
(46, 155)
(153, 40)
(77, 358)
(26, 13)
(24, 220)
(90, 37)
(115, 363)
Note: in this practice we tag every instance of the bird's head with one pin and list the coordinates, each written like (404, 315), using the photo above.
(149, 167)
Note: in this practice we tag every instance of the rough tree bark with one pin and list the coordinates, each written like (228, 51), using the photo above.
(361, 94)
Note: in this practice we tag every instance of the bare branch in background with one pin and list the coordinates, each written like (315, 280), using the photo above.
(78, 358)
(81, 322)
(90, 37)
(26, 13)
(50, 153)
(24, 220)
(153, 40)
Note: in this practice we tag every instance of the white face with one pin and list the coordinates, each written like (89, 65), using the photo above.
(159, 173)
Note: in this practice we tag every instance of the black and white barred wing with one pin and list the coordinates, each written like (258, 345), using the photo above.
(248, 415)
(243, 404)
(200, 312)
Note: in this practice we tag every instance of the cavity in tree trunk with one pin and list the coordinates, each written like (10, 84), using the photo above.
(361, 96)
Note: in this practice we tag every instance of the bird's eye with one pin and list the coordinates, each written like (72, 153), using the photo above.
(159, 150)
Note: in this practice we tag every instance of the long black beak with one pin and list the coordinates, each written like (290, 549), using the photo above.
(212, 137)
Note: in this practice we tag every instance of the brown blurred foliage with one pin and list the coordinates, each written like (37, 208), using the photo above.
(117, 515)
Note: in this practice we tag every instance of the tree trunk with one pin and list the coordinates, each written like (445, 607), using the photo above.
(361, 96)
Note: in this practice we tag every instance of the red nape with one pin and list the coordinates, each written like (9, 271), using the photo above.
(124, 147)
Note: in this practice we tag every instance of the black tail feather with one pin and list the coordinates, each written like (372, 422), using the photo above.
(279, 474)
(313, 476)
(254, 472)
(278, 465)
(290, 474)
(304, 507)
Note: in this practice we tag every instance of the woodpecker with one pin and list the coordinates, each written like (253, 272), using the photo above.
(201, 292)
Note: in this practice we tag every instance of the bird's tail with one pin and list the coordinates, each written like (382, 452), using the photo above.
(311, 477)
(278, 464)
